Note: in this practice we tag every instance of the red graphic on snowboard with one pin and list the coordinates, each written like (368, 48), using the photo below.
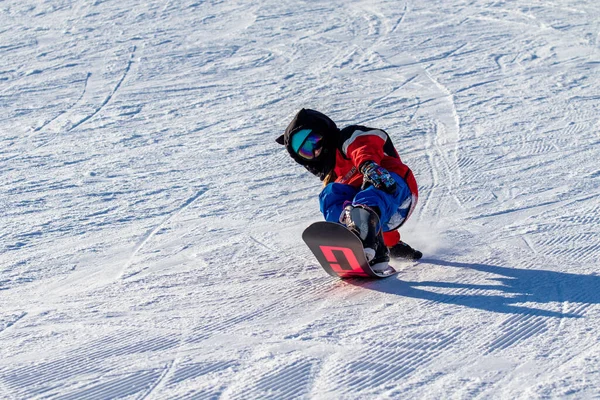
(342, 265)
(340, 252)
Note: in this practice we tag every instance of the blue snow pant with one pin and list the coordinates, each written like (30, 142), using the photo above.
(394, 207)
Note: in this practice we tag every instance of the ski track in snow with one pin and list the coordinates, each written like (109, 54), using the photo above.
(151, 230)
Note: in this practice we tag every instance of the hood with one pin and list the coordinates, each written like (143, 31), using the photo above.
(322, 124)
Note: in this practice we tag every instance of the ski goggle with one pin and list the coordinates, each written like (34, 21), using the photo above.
(307, 143)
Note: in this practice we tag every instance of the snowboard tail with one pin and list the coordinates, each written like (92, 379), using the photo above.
(340, 252)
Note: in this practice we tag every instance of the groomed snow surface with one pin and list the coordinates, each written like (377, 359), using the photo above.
(151, 227)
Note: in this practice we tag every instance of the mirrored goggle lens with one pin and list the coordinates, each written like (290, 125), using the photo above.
(310, 146)
(298, 138)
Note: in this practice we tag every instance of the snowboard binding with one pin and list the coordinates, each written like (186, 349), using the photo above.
(364, 223)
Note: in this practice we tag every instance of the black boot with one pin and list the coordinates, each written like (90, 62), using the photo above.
(364, 223)
(381, 261)
(402, 250)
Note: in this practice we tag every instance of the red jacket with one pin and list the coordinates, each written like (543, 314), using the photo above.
(360, 144)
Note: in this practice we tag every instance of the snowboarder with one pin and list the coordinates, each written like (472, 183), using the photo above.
(367, 187)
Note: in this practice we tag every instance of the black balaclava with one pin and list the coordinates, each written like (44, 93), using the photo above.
(319, 123)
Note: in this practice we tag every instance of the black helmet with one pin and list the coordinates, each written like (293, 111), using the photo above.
(324, 133)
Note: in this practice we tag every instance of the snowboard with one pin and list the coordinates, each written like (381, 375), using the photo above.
(340, 252)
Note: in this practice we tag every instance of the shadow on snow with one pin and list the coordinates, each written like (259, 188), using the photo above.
(516, 286)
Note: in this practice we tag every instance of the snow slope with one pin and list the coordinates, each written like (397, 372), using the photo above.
(150, 233)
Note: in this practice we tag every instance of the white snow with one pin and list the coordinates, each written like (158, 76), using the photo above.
(150, 234)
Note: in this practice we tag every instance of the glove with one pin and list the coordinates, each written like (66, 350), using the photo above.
(377, 176)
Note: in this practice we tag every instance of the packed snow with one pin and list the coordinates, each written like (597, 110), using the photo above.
(150, 236)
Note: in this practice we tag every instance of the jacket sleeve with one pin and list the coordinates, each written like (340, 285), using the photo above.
(364, 146)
